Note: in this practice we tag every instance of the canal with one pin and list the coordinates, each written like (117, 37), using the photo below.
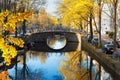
(74, 65)
(55, 66)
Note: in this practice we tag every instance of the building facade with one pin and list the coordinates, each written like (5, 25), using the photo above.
(106, 20)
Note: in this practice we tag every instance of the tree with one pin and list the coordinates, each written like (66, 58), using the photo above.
(36, 5)
(30, 5)
(8, 43)
(115, 4)
(9, 51)
(75, 14)
(99, 22)
(3, 75)
(45, 20)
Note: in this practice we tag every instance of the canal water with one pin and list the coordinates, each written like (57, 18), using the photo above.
(34, 65)
(54, 66)
(48, 66)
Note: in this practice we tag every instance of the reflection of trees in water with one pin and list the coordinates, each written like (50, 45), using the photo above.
(20, 57)
(51, 41)
(33, 54)
(21, 72)
(70, 67)
(43, 57)
(30, 75)
(58, 77)
(24, 73)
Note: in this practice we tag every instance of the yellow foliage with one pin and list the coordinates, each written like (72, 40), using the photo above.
(17, 41)
(74, 11)
(9, 51)
(10, 25)
(3, 75)
(46, 20)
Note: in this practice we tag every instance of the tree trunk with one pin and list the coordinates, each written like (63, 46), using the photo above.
(24, 27)
(24, 67)
(91, 29)
(99, 72)
(99, 24)
(81, 27)
(16, 32)
(91, 65)
(115, 3)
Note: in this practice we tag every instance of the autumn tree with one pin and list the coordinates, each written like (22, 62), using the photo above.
(99, 22)
(3, 75)
(45, 20)
(36, 5)
(8, 43)
(115, 5)
(21, 6)
(75, 14)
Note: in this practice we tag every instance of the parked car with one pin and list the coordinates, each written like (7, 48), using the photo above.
(95, 41)
(110, 42)
(108, 48)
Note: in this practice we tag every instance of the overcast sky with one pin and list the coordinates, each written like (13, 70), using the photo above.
(52, 6)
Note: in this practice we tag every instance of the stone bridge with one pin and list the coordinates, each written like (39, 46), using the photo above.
(76, 42)
(39, 41)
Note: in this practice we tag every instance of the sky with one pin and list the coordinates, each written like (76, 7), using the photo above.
(52, 6)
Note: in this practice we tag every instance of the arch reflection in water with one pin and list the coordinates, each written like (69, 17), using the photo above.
(56, 42)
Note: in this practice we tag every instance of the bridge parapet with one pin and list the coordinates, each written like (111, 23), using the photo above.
(42, 36)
